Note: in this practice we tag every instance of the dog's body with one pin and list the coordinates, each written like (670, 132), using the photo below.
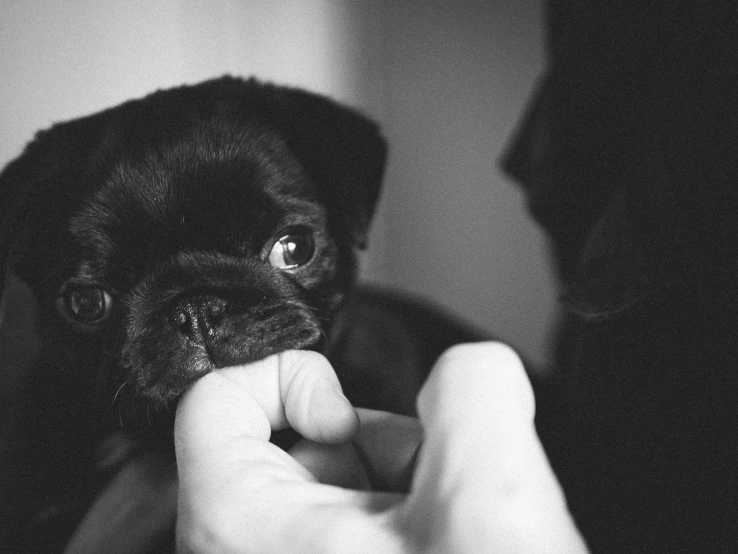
(197, 228)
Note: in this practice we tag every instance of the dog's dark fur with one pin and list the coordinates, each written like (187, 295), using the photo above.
(147, 235)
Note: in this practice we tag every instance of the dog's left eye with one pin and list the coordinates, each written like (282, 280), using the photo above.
(88, 305)
(292, 251)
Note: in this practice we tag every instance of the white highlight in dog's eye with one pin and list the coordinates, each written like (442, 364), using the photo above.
(292, 251)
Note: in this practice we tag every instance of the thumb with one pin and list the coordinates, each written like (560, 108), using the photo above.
(222, 427)
(293, 388)
(228, 406)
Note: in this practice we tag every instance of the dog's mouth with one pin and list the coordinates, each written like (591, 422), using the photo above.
(197, 333)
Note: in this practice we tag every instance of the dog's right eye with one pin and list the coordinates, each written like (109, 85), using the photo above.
(88, 305)
(293, 250)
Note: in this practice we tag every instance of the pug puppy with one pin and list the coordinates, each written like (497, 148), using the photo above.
(196, 228)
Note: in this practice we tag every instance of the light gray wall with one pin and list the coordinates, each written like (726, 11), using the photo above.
(447, 80)
(455, 78)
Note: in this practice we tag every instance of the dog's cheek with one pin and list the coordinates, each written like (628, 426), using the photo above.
(79, 354)
(327, 281)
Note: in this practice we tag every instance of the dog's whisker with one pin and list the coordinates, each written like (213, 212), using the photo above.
(119, 389)
(111, 355)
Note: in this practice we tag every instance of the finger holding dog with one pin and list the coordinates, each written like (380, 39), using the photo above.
(234, 484)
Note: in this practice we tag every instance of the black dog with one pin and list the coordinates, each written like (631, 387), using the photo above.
(197, 228)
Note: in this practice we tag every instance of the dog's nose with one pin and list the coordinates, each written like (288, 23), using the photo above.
(198, 317)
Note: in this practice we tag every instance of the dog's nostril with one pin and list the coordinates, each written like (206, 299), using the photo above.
(199, 317)
(182, 320)
(216, 309)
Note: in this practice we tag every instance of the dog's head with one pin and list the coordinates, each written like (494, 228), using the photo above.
(198, 227)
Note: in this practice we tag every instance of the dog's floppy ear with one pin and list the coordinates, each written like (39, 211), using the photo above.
(16, 185)
(342, 151)
(36, 185)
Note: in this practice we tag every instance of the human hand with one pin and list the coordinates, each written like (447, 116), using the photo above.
(482, 481)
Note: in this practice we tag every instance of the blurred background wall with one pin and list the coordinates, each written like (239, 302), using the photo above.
(446, 79)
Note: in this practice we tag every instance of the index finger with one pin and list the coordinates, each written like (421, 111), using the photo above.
(478, 409)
